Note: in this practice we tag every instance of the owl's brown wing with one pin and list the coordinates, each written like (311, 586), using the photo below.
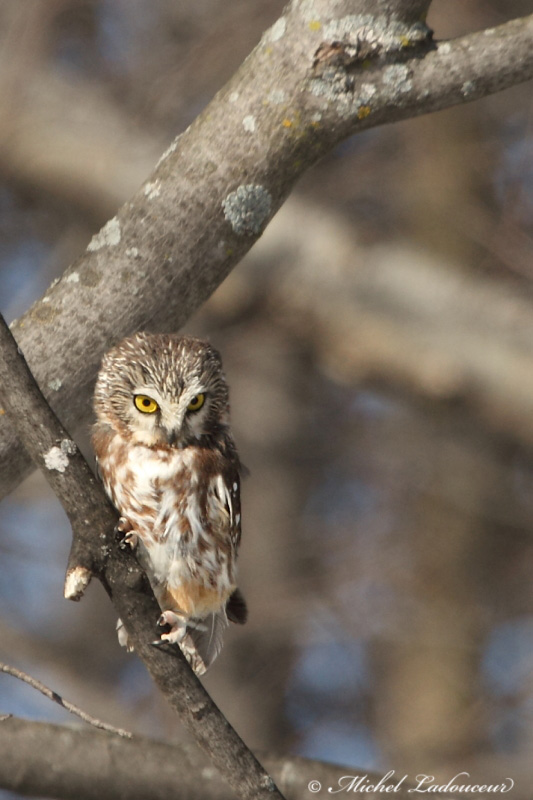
(236, 608)
(225, 513)
(235, 510)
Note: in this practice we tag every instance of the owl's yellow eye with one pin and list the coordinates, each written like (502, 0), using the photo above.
(196, 403)
(145, 404)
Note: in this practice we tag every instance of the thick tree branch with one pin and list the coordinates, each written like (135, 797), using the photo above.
(81, 764)
(94, 549)
(323, 72)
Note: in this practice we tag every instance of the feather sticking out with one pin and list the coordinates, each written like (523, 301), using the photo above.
(203, 640)
(236, 608)
(123, 638)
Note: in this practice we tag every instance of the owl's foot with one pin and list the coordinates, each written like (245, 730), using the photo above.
(178, 628)
(124, 529)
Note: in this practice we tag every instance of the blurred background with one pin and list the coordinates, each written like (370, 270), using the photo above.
(378, 342)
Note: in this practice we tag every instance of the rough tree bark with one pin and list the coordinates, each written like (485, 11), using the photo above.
(323, 72)
(97, 765)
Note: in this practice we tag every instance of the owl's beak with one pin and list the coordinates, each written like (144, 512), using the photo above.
(171, 424)
(172, 436)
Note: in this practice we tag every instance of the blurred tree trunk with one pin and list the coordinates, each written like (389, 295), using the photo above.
(440, 182)
(429, 696)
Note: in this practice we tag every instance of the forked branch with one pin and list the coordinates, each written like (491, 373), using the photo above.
(324, 71)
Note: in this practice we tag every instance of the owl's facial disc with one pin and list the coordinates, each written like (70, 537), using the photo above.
(172, 421)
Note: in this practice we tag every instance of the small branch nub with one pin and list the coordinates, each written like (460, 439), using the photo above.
(76, 582)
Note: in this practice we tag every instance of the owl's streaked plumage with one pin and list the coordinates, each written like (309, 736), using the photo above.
(169, 464)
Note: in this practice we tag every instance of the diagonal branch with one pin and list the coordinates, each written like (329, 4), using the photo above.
(324, 71)
(94, 550)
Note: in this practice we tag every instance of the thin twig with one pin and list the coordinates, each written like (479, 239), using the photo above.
(35, 684)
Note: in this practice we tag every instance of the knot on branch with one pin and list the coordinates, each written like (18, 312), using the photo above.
(351, 47)
(76, 581)
(198, 710)
(353, 42)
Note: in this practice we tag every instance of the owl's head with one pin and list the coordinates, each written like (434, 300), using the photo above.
(162, 389)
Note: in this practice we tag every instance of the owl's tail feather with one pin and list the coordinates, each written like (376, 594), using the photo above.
(203, 641)
(236, 608)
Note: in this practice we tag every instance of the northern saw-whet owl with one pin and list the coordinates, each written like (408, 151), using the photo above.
(169, 464)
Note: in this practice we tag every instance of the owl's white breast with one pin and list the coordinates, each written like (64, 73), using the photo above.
(149, 486)
(158, 492)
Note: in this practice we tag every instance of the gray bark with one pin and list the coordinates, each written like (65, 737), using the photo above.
(77, 764)
(297, 95)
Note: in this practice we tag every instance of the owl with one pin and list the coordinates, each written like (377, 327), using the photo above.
(169, 464)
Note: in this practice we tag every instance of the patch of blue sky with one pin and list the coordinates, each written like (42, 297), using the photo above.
(374, 404)
(516, 166)
(136, 691)
(120, 32)
(326, 693)
(22, 277)
(340, 743)
(331, 669)
(508, 659)
(21, 700)
(507, 670)
(135, 683)
(35, 541)
(340, 498)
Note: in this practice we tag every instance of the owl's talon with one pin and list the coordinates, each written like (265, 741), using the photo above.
(122, 526)
(129, 538)
(178, 627)
(129, 541)
(158, 643)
